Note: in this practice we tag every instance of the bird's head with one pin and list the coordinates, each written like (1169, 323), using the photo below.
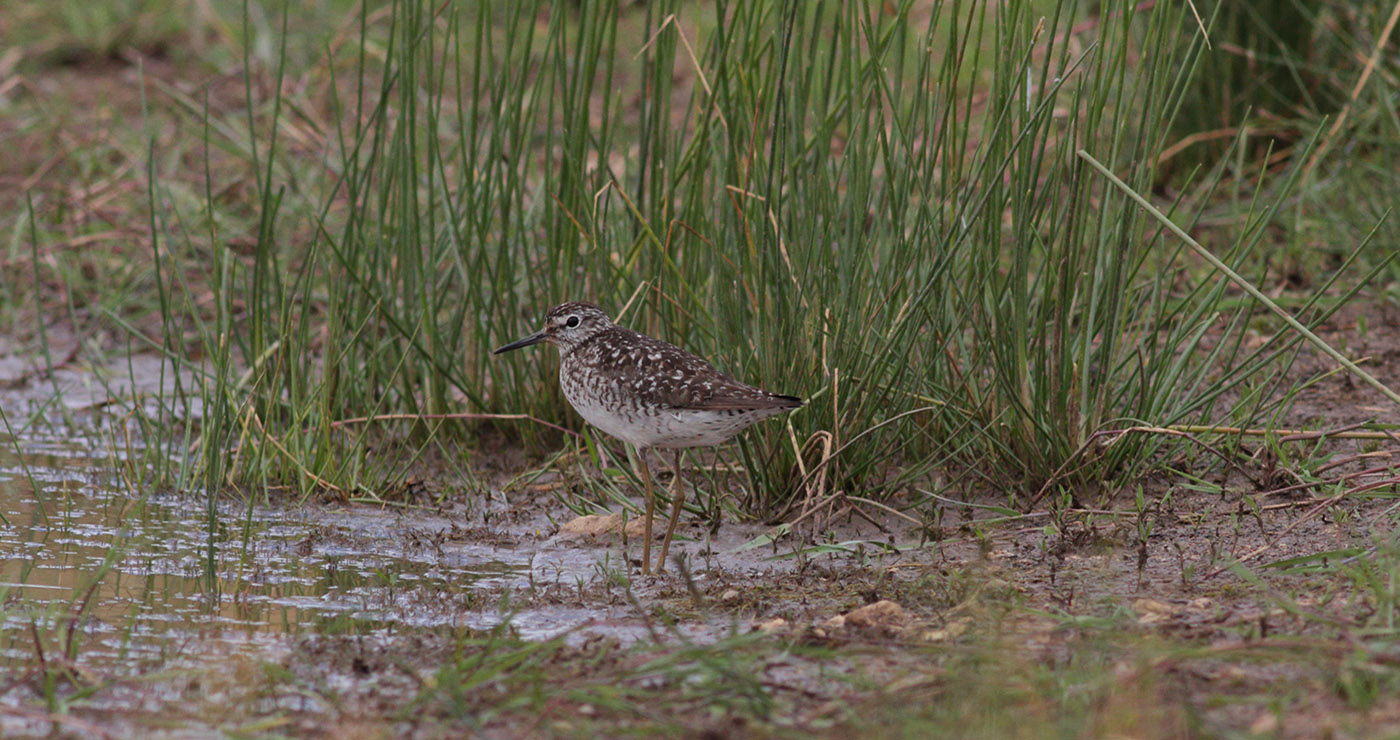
(566, 326)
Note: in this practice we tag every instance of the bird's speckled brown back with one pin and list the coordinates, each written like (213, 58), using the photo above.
(661, 374)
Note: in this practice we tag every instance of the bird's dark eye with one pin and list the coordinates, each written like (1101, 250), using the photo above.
(572, 322)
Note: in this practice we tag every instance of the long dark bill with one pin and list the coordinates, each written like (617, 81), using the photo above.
(535, 338)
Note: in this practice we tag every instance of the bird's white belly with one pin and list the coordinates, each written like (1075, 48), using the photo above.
(662, 427)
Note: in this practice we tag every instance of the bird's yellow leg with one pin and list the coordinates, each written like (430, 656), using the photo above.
(678, 501)
(651, 506)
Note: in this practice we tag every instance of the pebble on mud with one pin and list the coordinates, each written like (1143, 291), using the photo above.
(882, 614)
(1152, 610)
(590, 526)
(597, 527)
(1265, 724)
(774, 625)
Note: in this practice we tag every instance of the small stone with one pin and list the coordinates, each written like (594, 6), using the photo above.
(730, 596)
(598, 527)
(637, 527)
(772, 626)
(883, 613)
(1265, 724)
(1151, 610)
(590, 526)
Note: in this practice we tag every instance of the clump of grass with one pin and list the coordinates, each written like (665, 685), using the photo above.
(878, 208)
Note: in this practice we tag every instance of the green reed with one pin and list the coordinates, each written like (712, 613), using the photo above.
(875, 207)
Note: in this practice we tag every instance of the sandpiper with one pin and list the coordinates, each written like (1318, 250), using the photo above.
(648, 393)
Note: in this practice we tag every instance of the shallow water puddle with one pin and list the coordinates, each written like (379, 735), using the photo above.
(154, 585)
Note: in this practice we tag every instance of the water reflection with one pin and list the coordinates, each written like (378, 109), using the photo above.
(142, 581)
